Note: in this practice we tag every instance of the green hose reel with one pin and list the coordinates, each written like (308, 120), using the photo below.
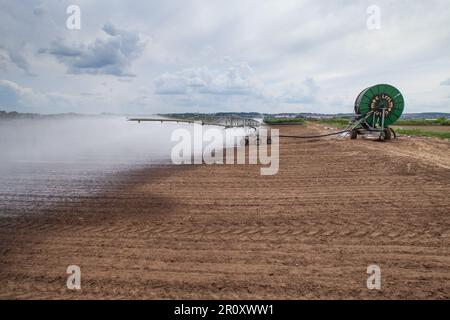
(377, 108)
(376, 98)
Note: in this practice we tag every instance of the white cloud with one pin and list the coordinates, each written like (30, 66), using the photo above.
(3, 60)
(301, 93)
(10, 57)
(446, 82)
(112, 55)
(20, 61)
(14, 96)
(237, 79)
(224, 86)
(230, 85)
(18, 98)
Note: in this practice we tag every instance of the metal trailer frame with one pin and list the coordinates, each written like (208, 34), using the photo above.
(364, 128)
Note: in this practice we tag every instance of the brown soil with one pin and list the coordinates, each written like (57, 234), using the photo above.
(223, 231)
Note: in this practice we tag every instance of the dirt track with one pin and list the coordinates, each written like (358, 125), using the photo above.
(335, 207)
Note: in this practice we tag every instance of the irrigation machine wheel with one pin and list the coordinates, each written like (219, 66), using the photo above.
(387, 134)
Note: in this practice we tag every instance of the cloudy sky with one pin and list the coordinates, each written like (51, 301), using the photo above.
(236, 55)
